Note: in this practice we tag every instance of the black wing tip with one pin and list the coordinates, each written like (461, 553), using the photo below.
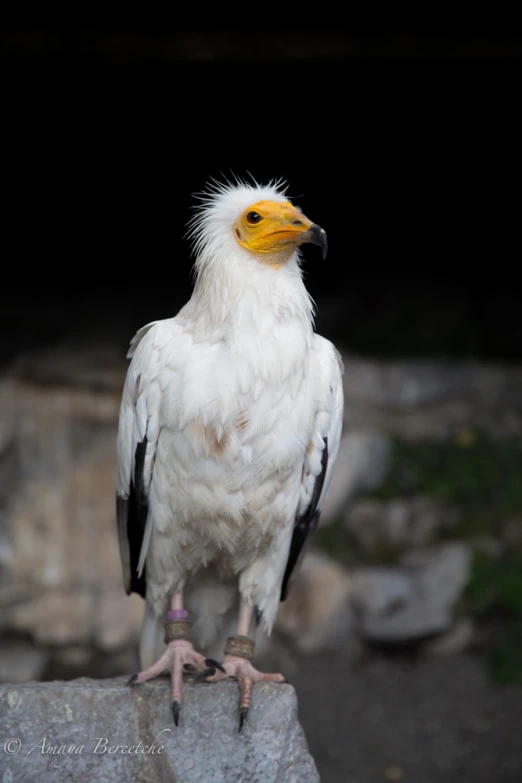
(135, 584)
(305, 527)
(138, 585)
(298, 548)
(132, 515)
(137, 519)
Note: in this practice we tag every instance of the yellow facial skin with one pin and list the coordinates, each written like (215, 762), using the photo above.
(273, 230)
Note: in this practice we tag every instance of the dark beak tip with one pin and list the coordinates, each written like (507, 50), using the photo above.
(317, 236)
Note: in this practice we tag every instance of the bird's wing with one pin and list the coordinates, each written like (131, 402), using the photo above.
(320, 454)
(138, 432)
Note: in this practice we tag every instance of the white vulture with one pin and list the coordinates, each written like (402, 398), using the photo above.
(229, 428)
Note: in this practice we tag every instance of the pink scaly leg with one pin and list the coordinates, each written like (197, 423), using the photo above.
(178, 657)
(240, 668)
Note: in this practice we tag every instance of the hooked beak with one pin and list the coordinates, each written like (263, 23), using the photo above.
(316, 235)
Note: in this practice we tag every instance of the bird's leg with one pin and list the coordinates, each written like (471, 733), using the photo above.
(237, 663)
(179, 655)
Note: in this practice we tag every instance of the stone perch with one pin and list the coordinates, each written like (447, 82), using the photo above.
(91, 729)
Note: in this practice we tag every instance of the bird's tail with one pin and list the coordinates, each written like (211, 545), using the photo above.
(214, 610)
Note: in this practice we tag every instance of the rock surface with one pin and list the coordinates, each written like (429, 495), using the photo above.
(85, 719)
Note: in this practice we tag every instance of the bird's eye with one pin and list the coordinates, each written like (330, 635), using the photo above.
(253, 217)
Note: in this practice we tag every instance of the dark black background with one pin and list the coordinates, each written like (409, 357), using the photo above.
(404, 143)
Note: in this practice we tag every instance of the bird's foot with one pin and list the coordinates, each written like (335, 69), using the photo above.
(242, 670)
(179, 658)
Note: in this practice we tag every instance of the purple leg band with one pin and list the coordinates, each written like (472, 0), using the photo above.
(177, 614)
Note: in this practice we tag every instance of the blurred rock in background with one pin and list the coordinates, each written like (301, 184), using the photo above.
(422, 399)
(381, 527)
(316, 615)
(60, 576)
(392, 560)
(413, 599)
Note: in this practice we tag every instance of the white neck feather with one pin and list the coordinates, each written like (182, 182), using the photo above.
(236, 296)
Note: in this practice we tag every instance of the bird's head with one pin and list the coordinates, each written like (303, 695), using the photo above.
(258, 221)
(274, 228)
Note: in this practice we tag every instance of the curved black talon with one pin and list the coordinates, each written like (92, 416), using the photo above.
(212, 662)
(207, 673)
(243, 714)
(132, 679)
(175, 711)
